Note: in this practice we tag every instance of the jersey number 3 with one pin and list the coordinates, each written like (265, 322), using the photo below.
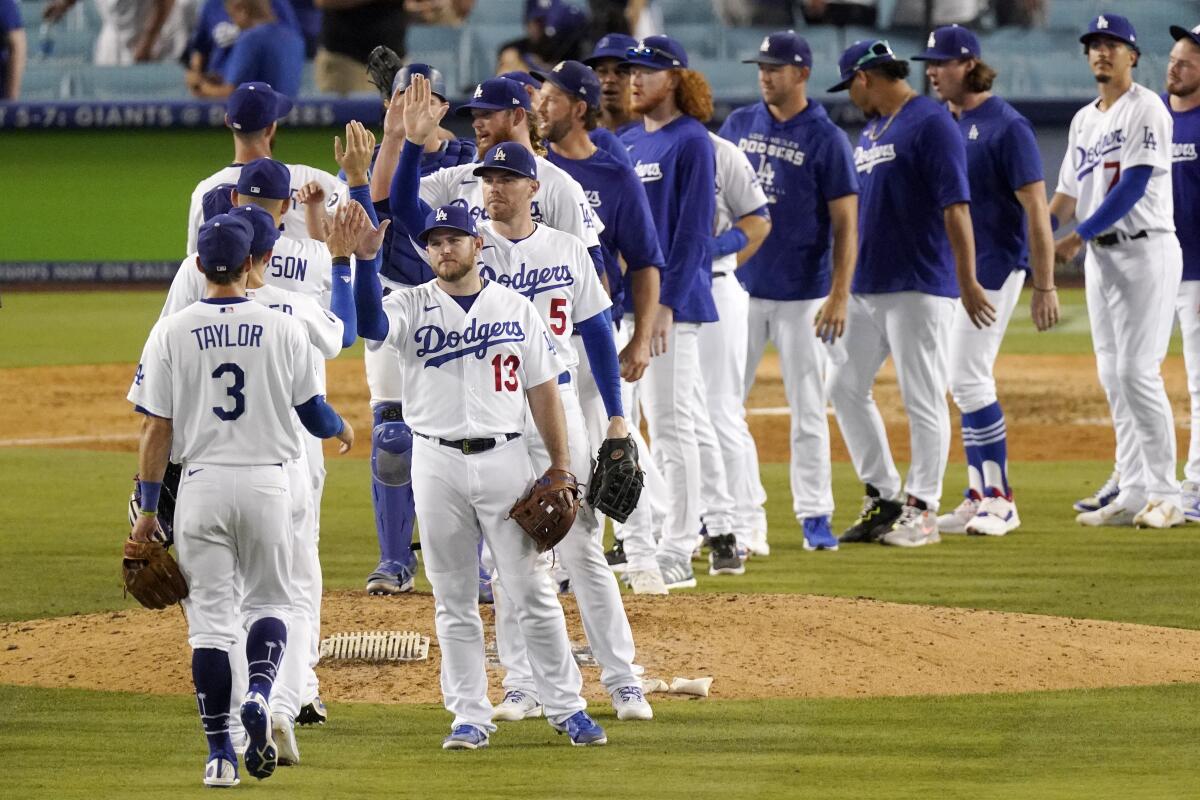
(505, 369)
(234, 390)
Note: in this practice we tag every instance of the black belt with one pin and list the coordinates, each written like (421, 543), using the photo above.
(469, 446)
(1116, 237)
(720, 274)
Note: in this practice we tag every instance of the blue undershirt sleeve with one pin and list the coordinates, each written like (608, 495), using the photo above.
(1117, 203)
(341, 303)
(319, 418)
(596, 333)
(597, 260)
(408, 209)
(368, 303)
(363, 195)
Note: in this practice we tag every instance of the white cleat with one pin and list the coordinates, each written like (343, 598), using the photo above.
(220, 773)
(1191, 500)
(915, 528)
(758, 545)
(516, 706)
(284, 730)
(1160, 514)
(646, 581)
(1109, 516)
(956, 521)
(996, 516)
(630, 703)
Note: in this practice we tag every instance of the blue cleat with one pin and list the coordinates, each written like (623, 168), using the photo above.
(261, 756)
(465, 737)
(393, 577)
(582, 729)
(485, 587)
(818, 535)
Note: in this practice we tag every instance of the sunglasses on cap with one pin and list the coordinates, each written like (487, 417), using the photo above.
(650, 52)
(877, 50)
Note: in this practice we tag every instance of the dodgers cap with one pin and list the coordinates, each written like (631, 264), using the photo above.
(783, 47)
(223, 244)
(453, 216)
(1192, 35)
(217, 200)
(656, 52)
(265, 178)
(255, 105)
(862, 55)
(576, 79)
(558, 18)
(611, 45)
(266, 232)
(404, 76)
(950, 43)
(510, 157)
(496, 94)
(522, 77)
(1114, 26)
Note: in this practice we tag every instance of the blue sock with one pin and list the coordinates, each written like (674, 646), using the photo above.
(986, 432)
(265, 644)
(214, 685)
(395, 510)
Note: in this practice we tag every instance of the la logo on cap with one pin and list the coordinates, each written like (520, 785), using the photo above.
(965, 51)
(558, 67)
(1196, 29)
(1101, 22)
(499, 156)
(479, 90)
(932, 41)
(766, 45)
(440, 216)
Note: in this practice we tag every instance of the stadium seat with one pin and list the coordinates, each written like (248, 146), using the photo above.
(482, 46)
(137, 82)
(47, 82)
(699, 39)
(1070, 15)
(730, 80)
(491, 12)
(447, 62)
(743, 42)
(675, 12)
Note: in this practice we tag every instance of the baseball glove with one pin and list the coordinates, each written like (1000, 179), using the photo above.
(547, 510)
(382, 66)
(151, 575)
(617, 479)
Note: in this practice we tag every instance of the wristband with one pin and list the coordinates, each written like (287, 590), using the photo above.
(148, 513)
(1054, 223)
(1040, 289)
(148, 492)
(341, 261)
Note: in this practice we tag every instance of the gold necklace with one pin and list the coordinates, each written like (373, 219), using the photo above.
(874, 135)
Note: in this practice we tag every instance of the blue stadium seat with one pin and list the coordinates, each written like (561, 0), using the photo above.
(137, 82)
(487, 12)
(47, 82)
(675, 12)
(482, 45)
(700, 40)
(729, 79)
(743, 42)
(1070, 15)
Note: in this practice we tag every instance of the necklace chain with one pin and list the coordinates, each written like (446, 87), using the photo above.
(874, 135)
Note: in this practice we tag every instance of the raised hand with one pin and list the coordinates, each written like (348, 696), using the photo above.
(422, 111)
(355, 158)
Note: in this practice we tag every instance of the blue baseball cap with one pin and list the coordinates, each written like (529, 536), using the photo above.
(522, 77)
(255, 105)
(510, 157)
(1193, 35)
(266, 232)
(576, 79)
(783, 47)
(404, 76)
(453, 216)
(1114, 26)
(224, 243)
(217, 200)
(860, 56)
(265, 178)
(656, 52)
(611, 45)
(496, 94)
(950, 43)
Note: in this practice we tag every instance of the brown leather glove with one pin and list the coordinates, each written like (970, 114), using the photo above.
(151, 574)
(547, 510)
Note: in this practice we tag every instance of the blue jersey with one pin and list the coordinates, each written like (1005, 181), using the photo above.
(910, 167)
(10, 20)
(617, 197)
(1185, 182)
(271, 52)
(607, 141)
(677, 167)
(802, 164)
(215, 34)
(1002, 156)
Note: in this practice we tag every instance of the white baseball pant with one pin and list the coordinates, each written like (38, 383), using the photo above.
(1187, 307)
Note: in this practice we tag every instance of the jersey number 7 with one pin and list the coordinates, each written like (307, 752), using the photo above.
(1115, 166)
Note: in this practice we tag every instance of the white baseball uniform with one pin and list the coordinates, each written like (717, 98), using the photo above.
(465, 375)
(1132, 283)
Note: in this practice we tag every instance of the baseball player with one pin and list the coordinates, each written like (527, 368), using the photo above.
(1116, 183)
(606, 59)
(797, 282)
(252, 113)
(480, 343)
(1008, 195)
(217, 383)
(914, 238)
(567, 111)
(1183, 98)
(673, 155)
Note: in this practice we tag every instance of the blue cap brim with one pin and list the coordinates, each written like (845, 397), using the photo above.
(423, 236)
(1096, 34)
(841, 86)
(482, 168)
(779, 62)
(466, 109)
(596, 58)
(647, 62)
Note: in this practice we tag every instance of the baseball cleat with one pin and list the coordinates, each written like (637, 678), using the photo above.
(996, 517)
(1159, 514)
(758, 543)
(516, 706)
(313, 713)
(582, 729)
(630, 703)
(818, 535)
(1111, 515)
(916, 527)
(221, 771)
(261, 756)
(956, 521)
(486, 595)
(723, 558)
(875, 519)
(284, 732)
(1102, 497)
(1191, 501)
(616, 557)
(392, 577)
(676, 572)
(466, 737)
(646, 581)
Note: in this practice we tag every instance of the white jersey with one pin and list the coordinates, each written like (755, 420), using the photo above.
(559, 202)
(1137, 130)
(294, 224)
(228, 375)
(323, 328)
(554, 271)
(303, 266)
(738, 193)
(466, 372)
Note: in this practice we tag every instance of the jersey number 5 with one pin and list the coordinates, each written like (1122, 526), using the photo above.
(558, 317)
(505, 369)
(234, 390)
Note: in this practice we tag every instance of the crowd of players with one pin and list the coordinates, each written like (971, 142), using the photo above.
(661, 259)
